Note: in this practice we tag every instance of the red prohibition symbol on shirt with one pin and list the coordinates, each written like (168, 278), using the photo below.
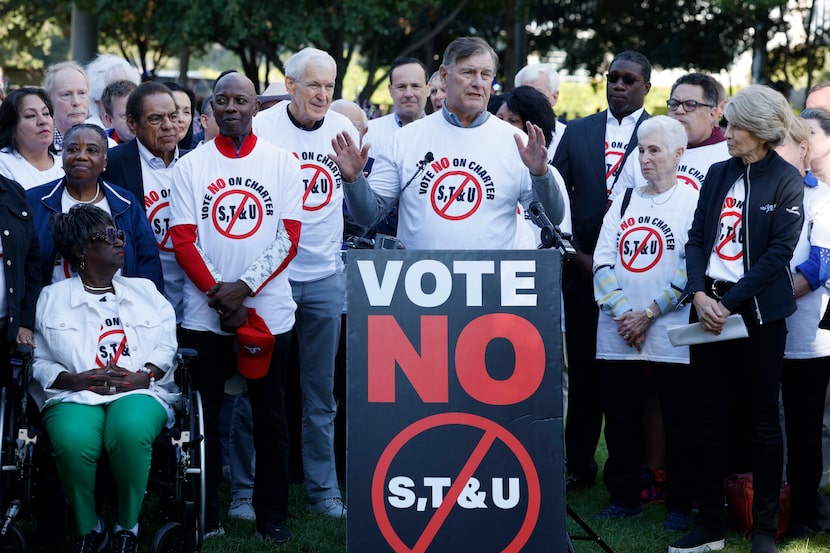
(319, 185)
(456, 195)
(237, 214)
(641, 249)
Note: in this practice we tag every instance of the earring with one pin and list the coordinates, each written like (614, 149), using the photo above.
(82, 264)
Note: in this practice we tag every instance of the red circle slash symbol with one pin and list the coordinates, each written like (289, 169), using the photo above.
(730, 220)
(640, 249)
(161, 227)
(237, 214)
(492, 432)
(319, 186)
(456, 195)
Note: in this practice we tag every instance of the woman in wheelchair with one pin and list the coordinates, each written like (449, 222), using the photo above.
(103, 373)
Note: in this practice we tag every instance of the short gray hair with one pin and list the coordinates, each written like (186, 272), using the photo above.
(762, 111)
(51, 76)
(669, 130)
(466, 46)
(531, 72)
(296, 65)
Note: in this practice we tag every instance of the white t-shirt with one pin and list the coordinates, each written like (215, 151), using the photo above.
(157, 180)
(112, 340)
(379, 131)
(618, 134)
(645, 246)
(696, 162)
(466, 197)
(238, 205)
(804, 339)
(322, 235)
(558, 131)
(14, 166)
(726, 261)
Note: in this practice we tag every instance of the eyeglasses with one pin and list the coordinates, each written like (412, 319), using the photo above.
(627, 79)
(109, 236)
(688, 105)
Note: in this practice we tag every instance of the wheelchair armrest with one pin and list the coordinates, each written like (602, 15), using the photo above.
(23, 351)
(187, 354)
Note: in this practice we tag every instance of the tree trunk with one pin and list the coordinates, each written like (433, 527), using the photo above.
(760, 71)
(184, 64)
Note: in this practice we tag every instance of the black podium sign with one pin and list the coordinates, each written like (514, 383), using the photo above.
(454, 402)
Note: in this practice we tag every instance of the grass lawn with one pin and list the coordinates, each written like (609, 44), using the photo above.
(318, 534)
(646, 534)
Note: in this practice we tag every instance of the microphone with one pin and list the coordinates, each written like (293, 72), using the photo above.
(551, 235)
(428, 158)
(386, 241)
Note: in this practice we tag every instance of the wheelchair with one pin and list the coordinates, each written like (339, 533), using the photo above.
(177, 473)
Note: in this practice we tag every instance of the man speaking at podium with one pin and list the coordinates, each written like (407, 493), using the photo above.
(459, 173)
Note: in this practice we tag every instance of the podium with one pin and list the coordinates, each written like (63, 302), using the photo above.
(455, 418)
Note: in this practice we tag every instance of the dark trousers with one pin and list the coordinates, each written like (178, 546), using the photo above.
(622, 402)
(735, 385)
(584, 419)
(803, 386)
(217, 361)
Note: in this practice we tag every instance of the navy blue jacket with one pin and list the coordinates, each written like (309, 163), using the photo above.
(141, 256)
(772, 217)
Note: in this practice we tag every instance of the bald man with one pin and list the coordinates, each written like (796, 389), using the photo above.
(236, 206)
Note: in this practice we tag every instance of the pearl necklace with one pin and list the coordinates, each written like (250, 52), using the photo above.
(95, 197)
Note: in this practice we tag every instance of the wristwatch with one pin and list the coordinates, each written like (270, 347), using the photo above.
(649, 315)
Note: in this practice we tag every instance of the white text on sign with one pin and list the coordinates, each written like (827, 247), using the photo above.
(514, 277)
(403, 495)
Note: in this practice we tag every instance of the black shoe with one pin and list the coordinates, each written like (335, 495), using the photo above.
(276, 532)
(578, 481)
(763, 543)
(615, 512)
(91, 543)
(699, 540)
(124, 542)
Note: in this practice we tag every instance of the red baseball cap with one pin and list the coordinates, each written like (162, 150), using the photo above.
(255, 344)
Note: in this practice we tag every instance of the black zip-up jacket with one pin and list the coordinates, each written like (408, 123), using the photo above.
(772, 219)
(21, 257)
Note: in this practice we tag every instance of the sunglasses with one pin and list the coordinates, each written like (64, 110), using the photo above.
(627, 79)
(688, 105)
(109, 236)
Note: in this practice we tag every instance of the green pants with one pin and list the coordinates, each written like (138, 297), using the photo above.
(126, 429)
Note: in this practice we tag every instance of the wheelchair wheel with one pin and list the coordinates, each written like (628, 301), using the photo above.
(201, 482)
(14, 541)
(171, 538)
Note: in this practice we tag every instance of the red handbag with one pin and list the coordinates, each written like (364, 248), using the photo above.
(739, 493)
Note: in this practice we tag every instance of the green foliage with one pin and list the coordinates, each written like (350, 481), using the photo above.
(687, 34)
(34, 35)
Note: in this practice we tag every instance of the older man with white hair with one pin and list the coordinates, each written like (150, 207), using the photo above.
(68, 89)
(103, 70)
(306, 127)
(544, 78)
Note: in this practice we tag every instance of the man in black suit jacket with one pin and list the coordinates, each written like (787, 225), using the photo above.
(144, 166)
(594, 158)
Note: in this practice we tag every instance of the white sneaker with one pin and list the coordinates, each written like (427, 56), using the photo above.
(242, 508)
(215, 533)
(331, 507)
